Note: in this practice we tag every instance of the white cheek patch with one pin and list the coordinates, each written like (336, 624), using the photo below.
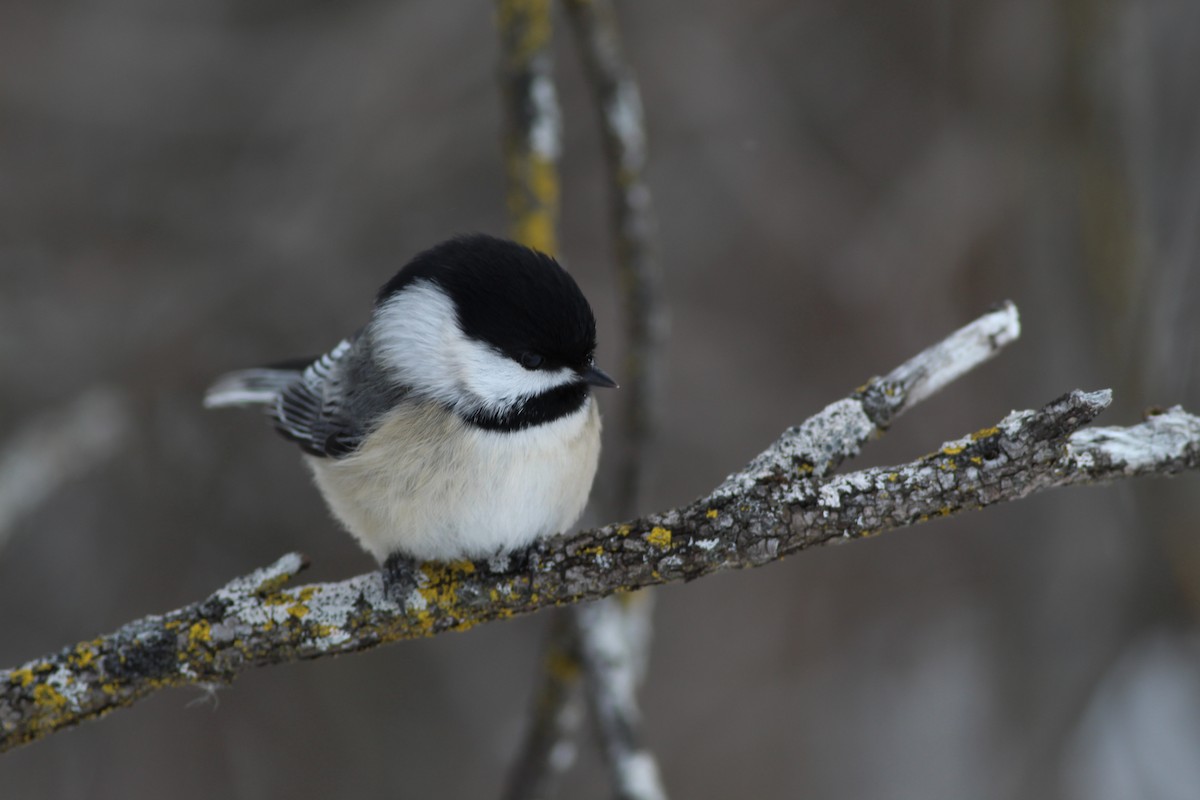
(501, 382)
(412, 334)
(417, 336)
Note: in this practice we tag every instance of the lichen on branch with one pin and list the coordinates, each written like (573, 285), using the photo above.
(783, 502)
(532, 138)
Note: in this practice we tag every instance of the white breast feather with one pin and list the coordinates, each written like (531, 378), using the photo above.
(430, 486)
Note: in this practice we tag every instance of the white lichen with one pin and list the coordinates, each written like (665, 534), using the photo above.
(1161, 438)
(624, 113)
(544, 134)
(830, 495)
(638, 775)
(962, 351)
(238, 588)
(62, 680)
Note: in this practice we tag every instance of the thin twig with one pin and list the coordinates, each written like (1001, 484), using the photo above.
(614, 646)
(548, 749)
(532, 143)
(614, 634)
(775, 507)
(839, 431)
(55, 447)
(639, 274)
(532, 136)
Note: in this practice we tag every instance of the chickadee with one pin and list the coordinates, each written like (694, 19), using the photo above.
(459, 421)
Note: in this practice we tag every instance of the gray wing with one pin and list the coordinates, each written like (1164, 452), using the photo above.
(318, 411)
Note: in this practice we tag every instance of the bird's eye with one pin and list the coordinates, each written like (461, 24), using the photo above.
(531, 360)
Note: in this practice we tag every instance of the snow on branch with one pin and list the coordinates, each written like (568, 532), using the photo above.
(782, 503)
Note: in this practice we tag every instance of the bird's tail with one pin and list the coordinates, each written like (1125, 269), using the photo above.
(248, 387)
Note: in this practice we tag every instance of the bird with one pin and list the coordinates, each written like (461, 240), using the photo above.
(459, 422)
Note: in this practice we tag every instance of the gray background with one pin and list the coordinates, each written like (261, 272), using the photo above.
(188, 187)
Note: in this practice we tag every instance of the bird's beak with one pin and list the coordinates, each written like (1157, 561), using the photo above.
(598, 377)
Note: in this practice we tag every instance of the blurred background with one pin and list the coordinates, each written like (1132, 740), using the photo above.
(189, 187)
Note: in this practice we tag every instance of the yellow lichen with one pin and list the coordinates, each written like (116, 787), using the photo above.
(273, 585)
(295, 602)
(984, 433)
(543, 181)
(624, 530)
(425, 621)
(560, 665)
(711, 513)
(659, 537)
(596, 550)
(531, 19)
(46, 695)
(536, 230)
(199, 632)
(446, 573)
(83, 656)
(953, 450)
(21, 676)
(533, 200)
(440, 590)
(298, 609)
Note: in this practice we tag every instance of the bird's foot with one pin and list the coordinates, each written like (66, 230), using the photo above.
(517, 561)
(400, 577)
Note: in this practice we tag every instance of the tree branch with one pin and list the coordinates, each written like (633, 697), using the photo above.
(614, 646)
(622, 124)
(55, 447)
(548, 748)
(532, 138)
(532, 144)
(612, 637)
(777, 506)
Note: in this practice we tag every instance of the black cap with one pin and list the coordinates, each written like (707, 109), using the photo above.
(515, 299)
